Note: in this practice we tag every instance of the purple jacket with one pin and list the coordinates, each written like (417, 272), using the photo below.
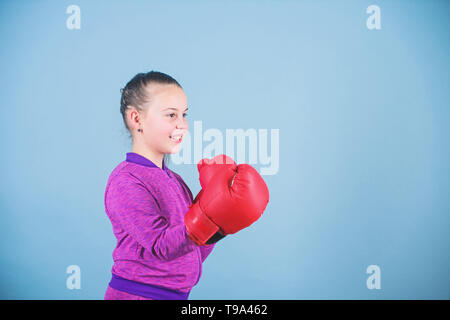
(146, 206)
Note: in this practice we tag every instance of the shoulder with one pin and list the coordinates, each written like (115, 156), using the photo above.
(123, 173)
(131, 177)
(127, 185)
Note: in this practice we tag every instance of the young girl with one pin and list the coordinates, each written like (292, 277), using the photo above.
(146, 201)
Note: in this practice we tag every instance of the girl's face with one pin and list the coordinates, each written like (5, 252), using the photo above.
(165, 124)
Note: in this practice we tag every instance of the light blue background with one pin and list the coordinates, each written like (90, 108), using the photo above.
(364, 140)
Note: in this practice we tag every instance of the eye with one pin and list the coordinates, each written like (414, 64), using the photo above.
(185, 115)
(170, 115)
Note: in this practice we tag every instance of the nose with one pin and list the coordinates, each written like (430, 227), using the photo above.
(182, 123)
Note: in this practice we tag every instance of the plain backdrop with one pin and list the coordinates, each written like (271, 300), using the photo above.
(363, 117)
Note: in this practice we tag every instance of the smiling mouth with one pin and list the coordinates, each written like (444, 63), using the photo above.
(176, 138)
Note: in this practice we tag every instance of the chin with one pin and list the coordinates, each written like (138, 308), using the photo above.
(173, 150)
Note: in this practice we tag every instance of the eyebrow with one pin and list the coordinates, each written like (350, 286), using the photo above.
(173, 109)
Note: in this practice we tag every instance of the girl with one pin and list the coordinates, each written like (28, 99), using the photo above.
(146, 201)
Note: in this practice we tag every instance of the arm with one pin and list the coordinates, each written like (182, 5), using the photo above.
(131, 204)
(204, 250)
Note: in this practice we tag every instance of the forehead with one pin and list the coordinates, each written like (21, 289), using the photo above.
(164, 96)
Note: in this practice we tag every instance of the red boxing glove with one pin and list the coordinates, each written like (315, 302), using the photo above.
(235, 197)
(207, 168)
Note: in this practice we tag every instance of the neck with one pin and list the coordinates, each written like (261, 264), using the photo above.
(155, 157)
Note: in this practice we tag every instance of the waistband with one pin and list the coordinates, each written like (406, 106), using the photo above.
(146, 290)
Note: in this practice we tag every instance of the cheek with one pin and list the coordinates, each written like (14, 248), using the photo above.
(166, 129)
(162, 127)
(163, 133)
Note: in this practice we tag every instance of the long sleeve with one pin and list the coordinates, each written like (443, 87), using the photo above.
(206, 250)
(130, 203)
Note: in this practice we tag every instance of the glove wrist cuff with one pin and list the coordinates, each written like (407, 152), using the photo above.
(199, 226)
